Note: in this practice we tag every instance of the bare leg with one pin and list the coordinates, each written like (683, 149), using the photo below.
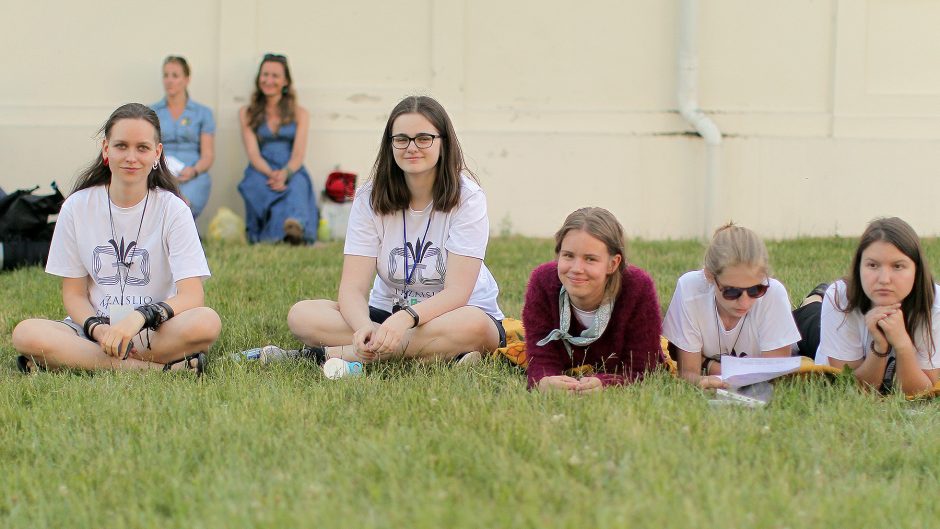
(57, 345)
(319, 322)
(186, 333)
(459, 331)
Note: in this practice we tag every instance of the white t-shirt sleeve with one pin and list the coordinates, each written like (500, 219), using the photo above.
(184, 251)
(362, 234)
(64, 259)
(679, 327)
(469, 230)
(839, 333)
(776, 327)
(931, 359)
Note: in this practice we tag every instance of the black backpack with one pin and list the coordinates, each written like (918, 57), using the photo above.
(26, 228)
(25, 216)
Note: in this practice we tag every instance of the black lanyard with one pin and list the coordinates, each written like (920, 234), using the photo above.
(125, 254)
(719, 327)
(404, 230)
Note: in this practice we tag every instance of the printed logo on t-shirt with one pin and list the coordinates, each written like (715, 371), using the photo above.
(117, 263)
(426, 265)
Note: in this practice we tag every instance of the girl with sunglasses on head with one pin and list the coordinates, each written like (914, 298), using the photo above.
(414, 284)
(188, 131)
(592, 320)
(730, 307)
(881, 320)
(132, 267)
(278, 193)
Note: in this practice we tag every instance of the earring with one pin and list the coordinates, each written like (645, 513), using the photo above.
(156, 164)
(105, 161)
(284, 90)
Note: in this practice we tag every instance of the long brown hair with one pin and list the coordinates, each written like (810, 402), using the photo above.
(389, 189)
(918, 305)
(603, 226)
(285, 107)
(97, 173)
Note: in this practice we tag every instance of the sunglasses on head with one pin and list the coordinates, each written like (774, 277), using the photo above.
(733, 293)
(274, 57)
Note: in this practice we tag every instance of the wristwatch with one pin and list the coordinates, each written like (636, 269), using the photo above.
(409, 310)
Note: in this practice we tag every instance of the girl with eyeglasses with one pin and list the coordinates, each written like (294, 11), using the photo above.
(730, 307)
(414, 284)
(278, 193)
(188, 131)
(131, 263)
(591, 319)
(881, 320)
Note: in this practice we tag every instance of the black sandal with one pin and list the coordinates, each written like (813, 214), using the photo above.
(23, 364)
(199, 368)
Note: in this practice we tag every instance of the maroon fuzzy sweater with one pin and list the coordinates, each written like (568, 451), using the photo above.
(628, 348)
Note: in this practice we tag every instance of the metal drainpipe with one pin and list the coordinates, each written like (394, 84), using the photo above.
(688, 108)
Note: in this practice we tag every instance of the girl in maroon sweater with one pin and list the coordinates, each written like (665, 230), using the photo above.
(588, 310)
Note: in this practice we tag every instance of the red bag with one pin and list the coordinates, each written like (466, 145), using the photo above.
(340, 186)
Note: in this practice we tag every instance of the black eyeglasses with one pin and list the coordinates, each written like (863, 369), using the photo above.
(422, 141)
(733, 293)
(277, 57)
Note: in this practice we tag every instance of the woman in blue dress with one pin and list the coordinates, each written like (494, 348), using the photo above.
(188, 131)
(278, 194)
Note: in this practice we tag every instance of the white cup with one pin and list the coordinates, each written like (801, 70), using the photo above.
(336, 368)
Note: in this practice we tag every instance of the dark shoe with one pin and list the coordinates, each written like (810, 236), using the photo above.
(27, 365)
(820, 290)
(314, 353)
(199, 368)
(293, 232)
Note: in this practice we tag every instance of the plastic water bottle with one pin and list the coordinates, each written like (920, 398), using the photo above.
(336, 368)
(266, 354)
(249, 354)
(323, 230)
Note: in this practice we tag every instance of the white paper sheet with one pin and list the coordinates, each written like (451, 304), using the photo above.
(739, 372)
(174, 164)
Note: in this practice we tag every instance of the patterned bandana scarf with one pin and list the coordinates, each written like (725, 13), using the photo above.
(589, 335)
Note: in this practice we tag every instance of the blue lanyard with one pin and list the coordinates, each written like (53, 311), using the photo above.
(404, 230)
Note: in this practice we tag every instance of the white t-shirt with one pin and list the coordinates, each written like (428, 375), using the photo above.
(584, 317)
(167, 250)
(693, 325)
(845, 336)
(465, 230)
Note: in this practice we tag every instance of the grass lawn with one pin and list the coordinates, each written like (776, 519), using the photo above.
(434, 446)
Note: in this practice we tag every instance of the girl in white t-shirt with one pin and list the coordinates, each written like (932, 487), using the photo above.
(731, 307)
(882, 319)
(414, 284)
(132, 267)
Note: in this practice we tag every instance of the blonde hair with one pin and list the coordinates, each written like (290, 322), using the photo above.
(603, 226)
(732, 245)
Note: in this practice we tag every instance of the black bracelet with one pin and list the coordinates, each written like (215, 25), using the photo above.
(876, 353)
(155, 314)
(89, 326)
(705, 363)
(409, 310)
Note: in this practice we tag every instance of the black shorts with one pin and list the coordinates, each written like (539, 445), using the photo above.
(807, 321)
(379, 316)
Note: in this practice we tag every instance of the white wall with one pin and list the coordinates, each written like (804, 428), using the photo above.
(831, 108)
